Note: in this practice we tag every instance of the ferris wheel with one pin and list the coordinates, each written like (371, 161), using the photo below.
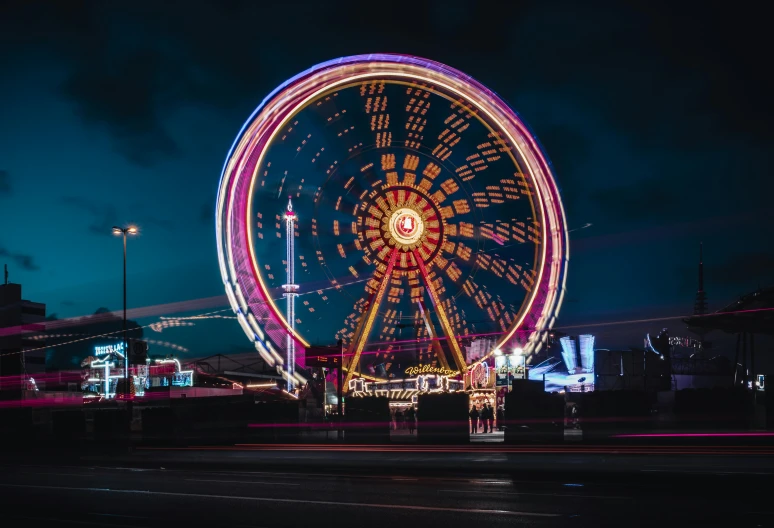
(397, 205)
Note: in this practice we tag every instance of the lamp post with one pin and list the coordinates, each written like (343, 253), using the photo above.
(131, 230)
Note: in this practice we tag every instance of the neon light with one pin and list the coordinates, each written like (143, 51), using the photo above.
(569, 353)
(364, 326)
(181, 378)
(265, 354)
(430, 369)
(245, 326)
(690, 435)
(235, 233)
(439, 311)
(291, 291)
(254, 325)
(104, 350)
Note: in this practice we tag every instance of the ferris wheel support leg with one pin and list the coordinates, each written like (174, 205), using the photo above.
(437, 348)
(367, 320)
(445, 324)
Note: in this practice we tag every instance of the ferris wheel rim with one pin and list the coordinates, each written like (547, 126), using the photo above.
(415, 70)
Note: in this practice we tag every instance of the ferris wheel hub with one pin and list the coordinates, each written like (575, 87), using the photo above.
(406, 227)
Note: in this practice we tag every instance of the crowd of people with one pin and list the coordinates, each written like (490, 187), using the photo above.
(485, 418)
(404, 419)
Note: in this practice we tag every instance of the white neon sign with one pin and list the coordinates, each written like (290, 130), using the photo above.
(117, 348)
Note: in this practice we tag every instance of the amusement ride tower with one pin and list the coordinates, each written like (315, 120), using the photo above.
(291, 290)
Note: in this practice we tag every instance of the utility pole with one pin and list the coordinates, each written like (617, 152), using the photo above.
(126, 342)
(341, 391)
(131, 230)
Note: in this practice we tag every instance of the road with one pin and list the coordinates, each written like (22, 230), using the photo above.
(343, 486)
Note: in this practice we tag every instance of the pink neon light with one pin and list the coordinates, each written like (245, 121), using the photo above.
(690, 435)
(236, 257)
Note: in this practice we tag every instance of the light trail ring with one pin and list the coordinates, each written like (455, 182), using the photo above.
(466, 176)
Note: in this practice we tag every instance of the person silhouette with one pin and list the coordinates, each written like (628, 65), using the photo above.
(474, 420)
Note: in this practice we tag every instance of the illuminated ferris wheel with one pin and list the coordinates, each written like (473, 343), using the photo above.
(397, 205)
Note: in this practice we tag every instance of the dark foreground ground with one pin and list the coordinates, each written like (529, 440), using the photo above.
(392, 486)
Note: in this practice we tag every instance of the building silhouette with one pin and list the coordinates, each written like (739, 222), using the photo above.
(21, 356)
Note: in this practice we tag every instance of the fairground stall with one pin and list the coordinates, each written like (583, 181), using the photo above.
(105, 368)
(403, 393)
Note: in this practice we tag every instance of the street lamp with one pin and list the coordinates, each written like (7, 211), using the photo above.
(131, 230)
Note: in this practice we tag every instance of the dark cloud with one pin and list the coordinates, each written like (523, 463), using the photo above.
(5, 182)
(661, 77)
(25, 262)
(122, 95)
(652, 113)
(103, 217)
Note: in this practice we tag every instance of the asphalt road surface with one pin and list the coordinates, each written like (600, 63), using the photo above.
(284, 486)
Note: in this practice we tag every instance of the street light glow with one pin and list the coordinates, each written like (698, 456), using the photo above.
(132, 230)
(117, 230)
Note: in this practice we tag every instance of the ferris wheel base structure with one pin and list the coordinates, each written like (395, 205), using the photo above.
(442, 209)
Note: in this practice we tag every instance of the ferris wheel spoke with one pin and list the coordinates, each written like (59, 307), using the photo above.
(459, 358)
(436, 344)
(363, 329)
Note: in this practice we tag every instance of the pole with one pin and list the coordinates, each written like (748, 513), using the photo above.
(508, 372)
(736, 358)
(524, 366)
(744, 360)
(752, 363)
(127, 390)
(341, 392)
(126, 344)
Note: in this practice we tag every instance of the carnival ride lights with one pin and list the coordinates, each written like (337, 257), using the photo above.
(181, 378)
(291, 290)
(107, 363)
(416, 192)
(569, 353)
(404, 389)
(578, 377)
(586, 342)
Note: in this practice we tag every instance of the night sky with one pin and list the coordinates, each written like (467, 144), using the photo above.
(657, 118)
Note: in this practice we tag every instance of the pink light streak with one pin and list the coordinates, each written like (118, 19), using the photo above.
(692, 435)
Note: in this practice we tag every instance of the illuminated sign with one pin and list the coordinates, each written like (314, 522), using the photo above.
(183, 379)
(507, 366)
(404, 389)
(117, 348)
(429, 369)
(686, 342)
(326, 357)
